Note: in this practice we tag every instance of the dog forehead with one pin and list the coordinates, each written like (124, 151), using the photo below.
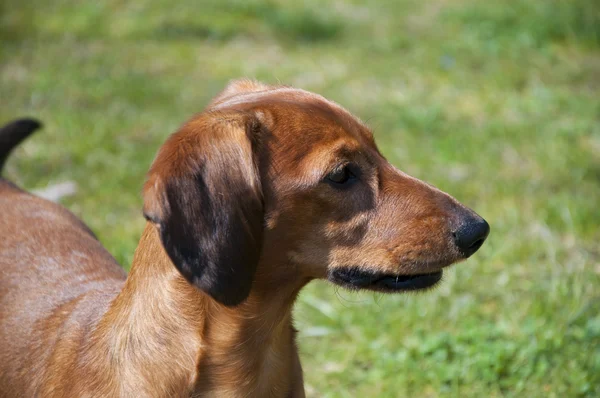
(234, 96)
(296, 109)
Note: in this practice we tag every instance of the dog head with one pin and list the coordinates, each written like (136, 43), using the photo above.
(282, 183)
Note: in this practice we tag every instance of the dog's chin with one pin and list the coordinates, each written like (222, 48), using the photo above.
(358, 279)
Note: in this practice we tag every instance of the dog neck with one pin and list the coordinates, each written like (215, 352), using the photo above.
(164, 335)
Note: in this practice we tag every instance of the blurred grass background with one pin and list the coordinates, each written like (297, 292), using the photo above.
(497, 103)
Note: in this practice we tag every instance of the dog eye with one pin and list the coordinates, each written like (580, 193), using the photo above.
(341, 175)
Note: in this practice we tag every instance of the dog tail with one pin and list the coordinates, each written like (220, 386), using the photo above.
(13, 133)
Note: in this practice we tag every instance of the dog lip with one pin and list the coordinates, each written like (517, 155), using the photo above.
(410, 282)
(355, 278)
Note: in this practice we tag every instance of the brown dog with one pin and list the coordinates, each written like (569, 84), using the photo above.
(267, 189)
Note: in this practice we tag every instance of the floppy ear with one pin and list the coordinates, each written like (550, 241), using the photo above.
(203, 193)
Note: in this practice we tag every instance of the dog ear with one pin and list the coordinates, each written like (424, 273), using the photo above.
(204, 195)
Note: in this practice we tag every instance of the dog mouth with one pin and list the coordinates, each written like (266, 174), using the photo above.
(354, 278)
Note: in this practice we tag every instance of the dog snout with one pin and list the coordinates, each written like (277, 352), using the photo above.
(470, 234)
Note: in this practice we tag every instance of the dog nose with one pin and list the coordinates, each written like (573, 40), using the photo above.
(470, 235)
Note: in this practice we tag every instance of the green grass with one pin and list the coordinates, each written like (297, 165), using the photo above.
(498, 103)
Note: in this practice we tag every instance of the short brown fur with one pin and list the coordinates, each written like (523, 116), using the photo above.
(246, 181)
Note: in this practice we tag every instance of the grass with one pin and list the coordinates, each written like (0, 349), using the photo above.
(495, 102)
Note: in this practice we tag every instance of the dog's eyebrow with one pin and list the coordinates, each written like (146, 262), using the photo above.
(346, 152)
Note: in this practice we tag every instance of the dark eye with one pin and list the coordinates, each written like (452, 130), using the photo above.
(341, 175)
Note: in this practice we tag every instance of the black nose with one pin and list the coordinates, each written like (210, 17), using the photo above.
(470, 236)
